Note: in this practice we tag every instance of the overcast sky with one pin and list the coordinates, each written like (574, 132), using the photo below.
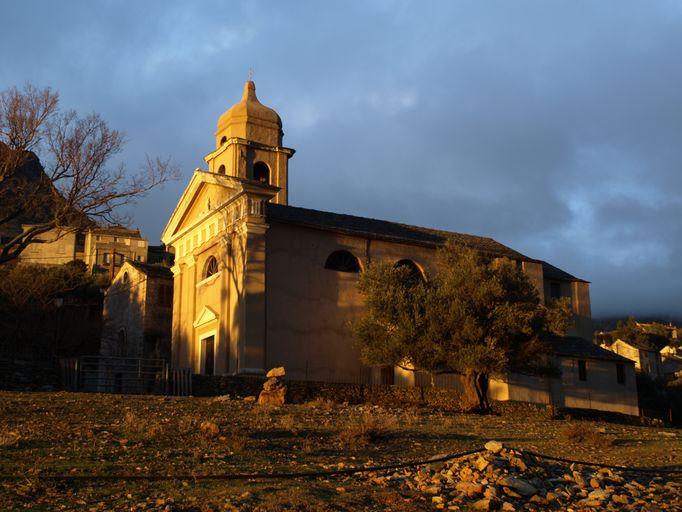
(554, 127)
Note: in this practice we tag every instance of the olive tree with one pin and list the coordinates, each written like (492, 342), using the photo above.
(475, 316)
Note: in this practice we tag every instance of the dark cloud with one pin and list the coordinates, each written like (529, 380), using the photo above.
(554, 127)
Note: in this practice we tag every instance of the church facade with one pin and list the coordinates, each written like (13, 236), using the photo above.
(259, 283)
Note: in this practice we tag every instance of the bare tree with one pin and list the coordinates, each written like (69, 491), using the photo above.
(79, 186)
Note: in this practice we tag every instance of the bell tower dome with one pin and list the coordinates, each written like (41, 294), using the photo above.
(249, 144)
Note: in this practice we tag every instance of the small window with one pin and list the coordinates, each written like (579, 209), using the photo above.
(223, 140)
(105, 257)
(414, 273)
(125, 278)
(620, 373)
(342, 261)
(261, 172)
(555, 290)
(221, 169)
(122, 343)
(387, 375)
(165, 295)
(582, 370)
(211, 267)
(116, 239)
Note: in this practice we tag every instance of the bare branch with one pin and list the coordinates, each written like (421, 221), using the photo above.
(80, 187)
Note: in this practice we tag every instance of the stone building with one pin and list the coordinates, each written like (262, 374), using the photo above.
(137, 312)
(103, 250)
(260, 284)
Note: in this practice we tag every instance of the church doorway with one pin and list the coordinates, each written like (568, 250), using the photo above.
(208, 355)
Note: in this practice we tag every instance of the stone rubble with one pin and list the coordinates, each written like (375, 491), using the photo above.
(274, 389)
(509, 480)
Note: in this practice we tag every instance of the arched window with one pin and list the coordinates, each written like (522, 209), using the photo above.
(221, 169)
(414, 272)
(211, 267)
(342, 261)
(223, 140)
(125, 278)
(261, 172)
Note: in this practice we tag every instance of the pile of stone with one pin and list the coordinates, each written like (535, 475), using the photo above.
(510, 480)
(274, 389)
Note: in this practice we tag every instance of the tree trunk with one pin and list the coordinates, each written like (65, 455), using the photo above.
(482, 385)
(478, 384)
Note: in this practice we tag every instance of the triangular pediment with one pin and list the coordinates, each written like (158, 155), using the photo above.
(206, 316)
(204, 193)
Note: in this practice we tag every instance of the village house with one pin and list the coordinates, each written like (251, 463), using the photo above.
(671, 359)
(646, 357)
(137, 312)
(259, 283)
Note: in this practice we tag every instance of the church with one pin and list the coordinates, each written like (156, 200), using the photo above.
(258, 283)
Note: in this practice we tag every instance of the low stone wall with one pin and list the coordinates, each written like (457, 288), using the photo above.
(23, 375)
(388, 396)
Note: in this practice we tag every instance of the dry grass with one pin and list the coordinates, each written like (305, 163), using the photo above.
(367, 429)
(83, 433)
(8, 439)
(235, 441)
(322, 404)
(585, 434)
(134, 425)
(288, 423)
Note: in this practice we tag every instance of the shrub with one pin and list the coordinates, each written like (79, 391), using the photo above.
(367, 429)
(584, 433)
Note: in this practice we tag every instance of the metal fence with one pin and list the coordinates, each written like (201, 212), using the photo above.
(129, 375)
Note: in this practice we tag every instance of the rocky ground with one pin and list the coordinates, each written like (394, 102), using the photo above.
(505, 479)
(68, 433)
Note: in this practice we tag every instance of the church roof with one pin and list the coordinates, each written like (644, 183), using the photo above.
(151, 269)
(385, 230)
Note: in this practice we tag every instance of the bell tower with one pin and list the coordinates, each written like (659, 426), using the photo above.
(249, 145)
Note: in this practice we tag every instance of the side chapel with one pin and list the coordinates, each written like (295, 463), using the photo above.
(258, 283)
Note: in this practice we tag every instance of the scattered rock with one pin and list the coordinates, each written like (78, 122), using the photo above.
(481, 464)
(469, 488)
(276, 372)
(484, 504)
(209, 429)
(494, 447)
(512, 480)
(518, 484)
